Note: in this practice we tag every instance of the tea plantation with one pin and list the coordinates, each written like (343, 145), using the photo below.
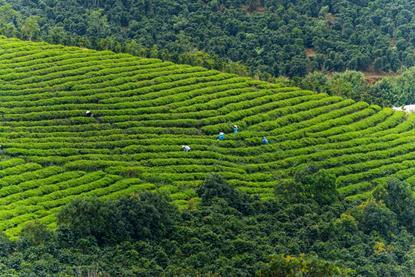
(144, 110)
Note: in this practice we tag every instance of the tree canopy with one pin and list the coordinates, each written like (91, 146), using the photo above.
(286, 236)
(279, 38)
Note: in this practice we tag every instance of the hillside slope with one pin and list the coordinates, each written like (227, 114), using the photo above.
(145, 109)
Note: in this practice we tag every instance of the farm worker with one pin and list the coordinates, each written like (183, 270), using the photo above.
(235, 129)
(89, 114)
(186, 148)
(221, 136)
(264, 140)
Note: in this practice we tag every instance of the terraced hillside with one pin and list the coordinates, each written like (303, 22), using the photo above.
(145, 109)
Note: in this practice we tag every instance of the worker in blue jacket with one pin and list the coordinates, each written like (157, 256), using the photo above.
(235, 129)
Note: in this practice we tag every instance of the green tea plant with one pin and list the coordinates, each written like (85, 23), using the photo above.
(144, 110)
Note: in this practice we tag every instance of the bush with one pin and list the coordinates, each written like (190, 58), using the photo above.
(215, 186)
(139, 217)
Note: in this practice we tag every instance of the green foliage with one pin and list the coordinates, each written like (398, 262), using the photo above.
(30, 28)
(145, 109)
(34, 233)
(376, 217)
(397, 90)
(316, 81)
(398, 197)
(139, 217)
(322, 147)
(309, 183)
(272, 38)
(388, 90)
(279, 239)
(350, 84)
(215, 186)
(280, 266)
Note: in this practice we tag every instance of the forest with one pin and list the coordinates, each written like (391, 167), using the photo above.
(307, 230)
(288, 38)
